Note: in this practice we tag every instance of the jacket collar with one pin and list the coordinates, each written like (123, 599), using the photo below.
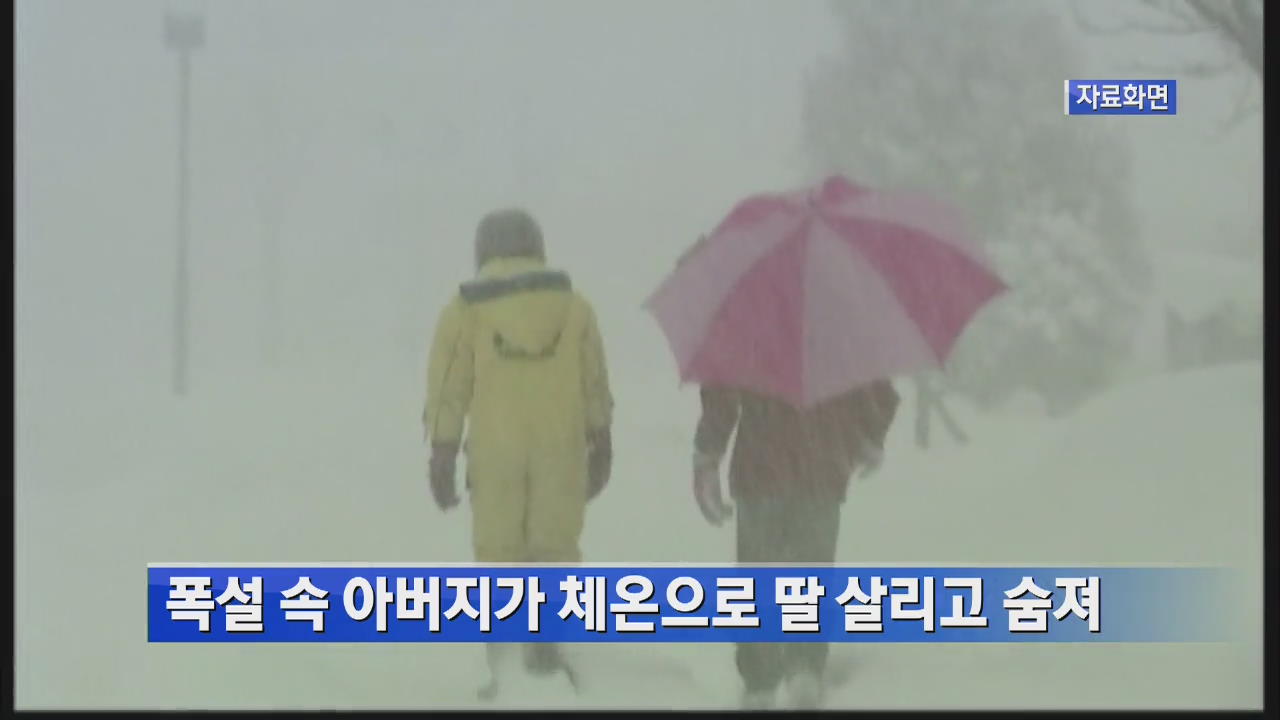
(507, 266)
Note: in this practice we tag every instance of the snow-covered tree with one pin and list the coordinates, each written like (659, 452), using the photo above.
(1236, 25)
(964, 99)
(1054, 333)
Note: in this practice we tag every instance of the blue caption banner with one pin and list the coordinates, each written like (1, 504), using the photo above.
(1120, 97)
(665, 603)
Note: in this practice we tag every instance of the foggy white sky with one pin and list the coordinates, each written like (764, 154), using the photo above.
(627, 128)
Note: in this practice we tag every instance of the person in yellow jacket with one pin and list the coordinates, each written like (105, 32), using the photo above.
(518, 359)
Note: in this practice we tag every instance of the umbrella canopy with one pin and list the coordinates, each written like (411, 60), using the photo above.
(808, 294)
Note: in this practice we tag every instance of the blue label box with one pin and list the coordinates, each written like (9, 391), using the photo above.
(1120, 97)
(343, 603)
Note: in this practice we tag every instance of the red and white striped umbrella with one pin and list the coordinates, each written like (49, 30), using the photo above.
(807, 294)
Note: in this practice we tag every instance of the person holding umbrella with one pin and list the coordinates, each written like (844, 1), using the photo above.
(788, 477)
(793, 315)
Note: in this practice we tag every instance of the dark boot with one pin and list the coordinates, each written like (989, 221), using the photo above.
(498, 658)
(542, 658)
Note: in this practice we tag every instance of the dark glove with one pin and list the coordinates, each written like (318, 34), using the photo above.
(444, 487)
(706, 489)
(599, 460)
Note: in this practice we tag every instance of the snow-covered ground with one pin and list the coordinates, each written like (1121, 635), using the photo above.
(316, 466)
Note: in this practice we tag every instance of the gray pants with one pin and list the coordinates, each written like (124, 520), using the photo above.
(786, 530)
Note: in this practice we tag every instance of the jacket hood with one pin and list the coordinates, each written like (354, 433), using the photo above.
(521, 303)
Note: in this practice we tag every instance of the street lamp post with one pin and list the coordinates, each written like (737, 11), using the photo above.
(183, 34)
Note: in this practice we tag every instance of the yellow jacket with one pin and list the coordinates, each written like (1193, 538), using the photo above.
(476, 366)
(517, 362)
